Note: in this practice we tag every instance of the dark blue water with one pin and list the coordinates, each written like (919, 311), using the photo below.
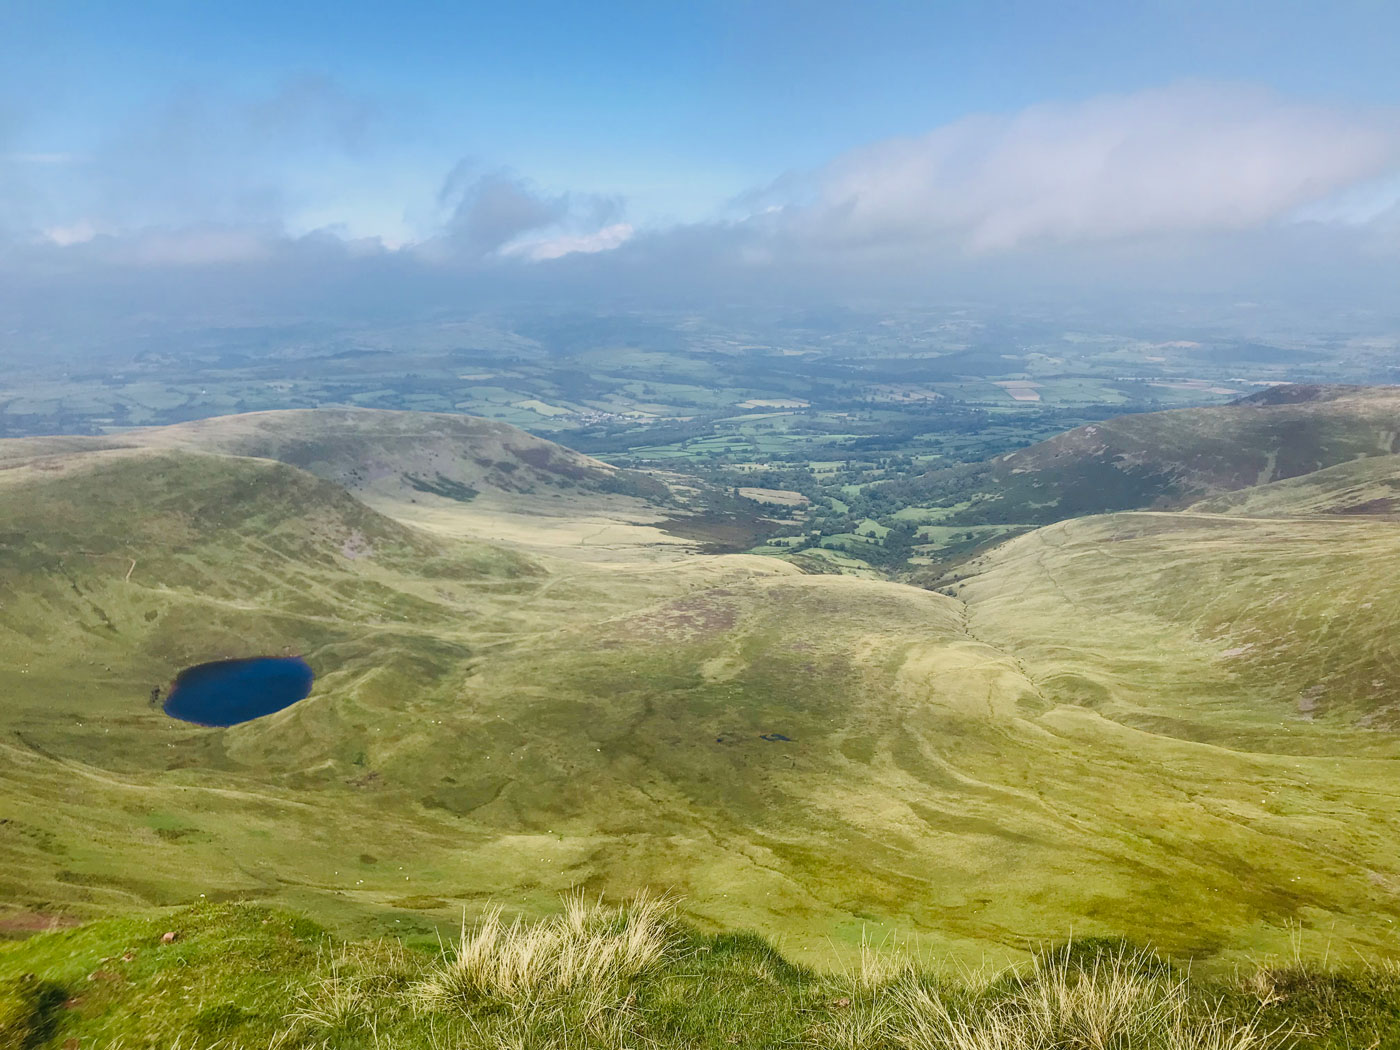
(227, 692)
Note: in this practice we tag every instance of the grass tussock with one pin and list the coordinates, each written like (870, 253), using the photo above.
(569, 980)
(588, 949)
(1122, 999)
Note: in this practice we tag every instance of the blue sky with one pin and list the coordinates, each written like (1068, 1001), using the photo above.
(602, 122)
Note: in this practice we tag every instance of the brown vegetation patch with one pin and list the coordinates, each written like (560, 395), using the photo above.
(781, 497)
(1380, 505)
(545, 458)
(688, 619)
(721, 533)
(23, 923)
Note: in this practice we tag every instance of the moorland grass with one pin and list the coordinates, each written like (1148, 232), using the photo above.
(1099, 732)
(594, 977)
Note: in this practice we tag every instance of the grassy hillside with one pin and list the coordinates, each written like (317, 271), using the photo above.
(1167, 459)
(244, 978)
(456, 474)
(1270, 623)
(1255, 658)
(1369, 486)
(120, 568)
(370, 450)
(1174, 727)
(399, 453)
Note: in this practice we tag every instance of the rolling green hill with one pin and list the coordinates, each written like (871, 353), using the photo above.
(1168, 459)
(400, 455)
(448, 473)
(1172, 726)
(1210, 622)
(1363, 486)
(368, 450)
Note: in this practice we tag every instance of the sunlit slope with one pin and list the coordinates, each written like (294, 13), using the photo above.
(1264, 622)
(1369, 487)
(118, 569)
(1169, 459)
(482, 724)
(931, 782)
(453, 473)
(97, 547)
(1265, 648)
(1092, 735)
(121, 567)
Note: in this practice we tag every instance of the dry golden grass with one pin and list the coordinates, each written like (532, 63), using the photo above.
(589, 951)
(1115, 1003)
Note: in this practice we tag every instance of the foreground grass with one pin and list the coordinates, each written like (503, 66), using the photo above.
(238, 977)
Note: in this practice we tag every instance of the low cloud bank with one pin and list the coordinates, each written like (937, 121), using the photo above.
(1188, 158)
(1190, 186)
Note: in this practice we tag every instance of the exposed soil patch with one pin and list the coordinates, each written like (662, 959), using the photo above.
(356, 545)
(781, 497)
(1309, 701)
(23, 923)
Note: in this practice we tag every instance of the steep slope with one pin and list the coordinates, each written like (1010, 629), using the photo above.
(1369, 486)
(488, 723)
(120, 567)
(1168, 459)
(1255, 625)
(1265, 648)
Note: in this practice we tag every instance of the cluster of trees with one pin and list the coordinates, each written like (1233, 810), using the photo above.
(896, 548)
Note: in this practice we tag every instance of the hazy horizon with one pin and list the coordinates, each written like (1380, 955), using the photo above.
(273, 163)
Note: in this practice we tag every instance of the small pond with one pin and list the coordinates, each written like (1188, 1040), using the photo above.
(227, 692)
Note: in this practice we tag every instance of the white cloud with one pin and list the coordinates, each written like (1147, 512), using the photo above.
(1188, 158)
(501, 215)
(606, 239)
(79, 232)
(1198, 186)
